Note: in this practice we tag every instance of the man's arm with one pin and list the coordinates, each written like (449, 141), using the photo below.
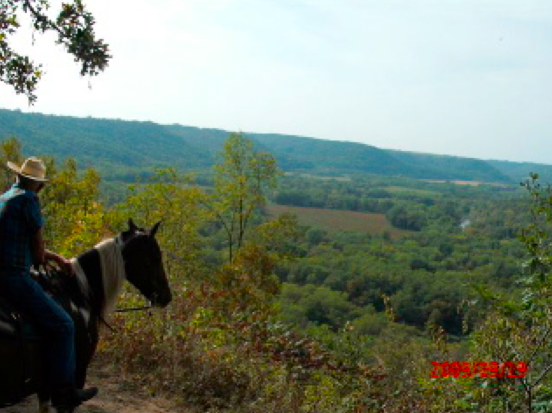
(38, 250)
(41, 255)
(63, 262)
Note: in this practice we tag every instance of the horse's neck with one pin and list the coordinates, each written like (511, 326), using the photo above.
(91, 278)
(103, 268)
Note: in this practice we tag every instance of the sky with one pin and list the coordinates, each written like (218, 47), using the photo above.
(460, 77)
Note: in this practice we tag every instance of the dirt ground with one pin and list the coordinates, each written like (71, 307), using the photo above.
(115, 396)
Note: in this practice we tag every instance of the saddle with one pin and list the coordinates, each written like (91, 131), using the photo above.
(13, 325)
(8, 321)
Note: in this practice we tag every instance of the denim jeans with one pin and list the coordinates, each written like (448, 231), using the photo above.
(50, 319)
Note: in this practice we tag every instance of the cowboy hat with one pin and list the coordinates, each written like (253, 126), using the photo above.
(33, 168)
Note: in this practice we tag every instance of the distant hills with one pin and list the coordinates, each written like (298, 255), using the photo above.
(519, 171)
(121, 149)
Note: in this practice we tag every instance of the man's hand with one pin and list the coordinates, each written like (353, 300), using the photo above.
(62, 262)
(67, 267)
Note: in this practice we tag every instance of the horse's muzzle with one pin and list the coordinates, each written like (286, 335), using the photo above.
(162, 300)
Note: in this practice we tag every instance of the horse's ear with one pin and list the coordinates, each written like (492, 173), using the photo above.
(154, 229)
(131, 225)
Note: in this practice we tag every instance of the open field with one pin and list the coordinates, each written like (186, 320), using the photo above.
(459, 182)
(339, 220)
(319, 177)
(415, 191)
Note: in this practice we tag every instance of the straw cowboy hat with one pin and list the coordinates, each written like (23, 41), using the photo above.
(33, 168)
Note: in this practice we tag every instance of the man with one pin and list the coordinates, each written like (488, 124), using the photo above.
(21, 245)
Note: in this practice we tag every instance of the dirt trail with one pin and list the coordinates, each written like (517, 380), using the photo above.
(114, 397)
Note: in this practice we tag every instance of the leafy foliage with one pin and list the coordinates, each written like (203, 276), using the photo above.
(241, 180)
(518, 326)
(169, 197)
(10, 151)
(74, 26)
(307, 320)
(74, 195)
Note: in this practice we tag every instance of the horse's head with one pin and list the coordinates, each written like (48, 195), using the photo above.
(143, 264)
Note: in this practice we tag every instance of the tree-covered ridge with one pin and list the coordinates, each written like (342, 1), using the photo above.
(122, 149)
(130, 146)
(518, 170)
(453, 167)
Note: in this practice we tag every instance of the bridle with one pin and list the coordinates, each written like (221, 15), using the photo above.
(119, 241)
(128, 310)
(139, 308)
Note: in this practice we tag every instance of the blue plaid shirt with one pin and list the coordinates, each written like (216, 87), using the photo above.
(20, 219)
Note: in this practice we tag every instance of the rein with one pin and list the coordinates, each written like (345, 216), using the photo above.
(124, 310)
(118, 240)
(128, 310)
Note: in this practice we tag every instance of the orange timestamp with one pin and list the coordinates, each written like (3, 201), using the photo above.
(493, 369)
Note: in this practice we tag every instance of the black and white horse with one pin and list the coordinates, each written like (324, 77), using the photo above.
(89, 297)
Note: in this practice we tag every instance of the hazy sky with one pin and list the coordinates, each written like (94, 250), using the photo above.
(467, 77)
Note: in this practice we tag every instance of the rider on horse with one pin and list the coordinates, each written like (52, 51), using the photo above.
(21, 245)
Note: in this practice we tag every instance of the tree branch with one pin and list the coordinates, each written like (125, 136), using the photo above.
(544, 373)
(539, 345)
(242, 225)
(219, 216)
(40, 17)
(523, 382)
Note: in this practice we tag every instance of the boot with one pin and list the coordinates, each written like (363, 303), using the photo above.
(67, 399)
(83, 395)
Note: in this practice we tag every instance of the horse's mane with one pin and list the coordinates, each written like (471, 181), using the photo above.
(92, 293)
(111, 269)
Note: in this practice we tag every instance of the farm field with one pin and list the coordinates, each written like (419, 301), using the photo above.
(464, 183)
(414, 191)
(333, 220)
(320, 177)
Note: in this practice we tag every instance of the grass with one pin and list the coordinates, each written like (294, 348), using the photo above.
(333, 220)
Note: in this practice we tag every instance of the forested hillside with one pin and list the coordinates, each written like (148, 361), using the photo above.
(454, 167)
(115, 147)
(122, 149)
(519, 170)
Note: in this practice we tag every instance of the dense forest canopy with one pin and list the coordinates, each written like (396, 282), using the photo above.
(270, 303)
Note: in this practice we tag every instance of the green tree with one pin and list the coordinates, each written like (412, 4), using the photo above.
(410, 218)
(302, 305)
(171, 198)
(519, 325)
(241, 181)
(74, 27)
(75, 218)
(10, 150)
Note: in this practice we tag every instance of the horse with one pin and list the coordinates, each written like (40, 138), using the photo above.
(88, 297)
